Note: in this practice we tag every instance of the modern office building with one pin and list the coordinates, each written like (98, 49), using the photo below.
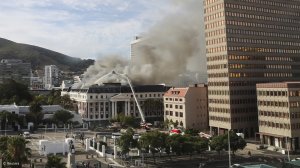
(51, 76)
(247, 42)
(187, 107)
(104, 102)
(279, 113)
(136, 49)
(16, 70)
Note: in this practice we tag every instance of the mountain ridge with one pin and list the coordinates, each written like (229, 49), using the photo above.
(39, 56)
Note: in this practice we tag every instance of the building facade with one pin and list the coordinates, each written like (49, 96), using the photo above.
(102, 103)
(187, 107)
(279, 113)
(247, 42)
(16, 70)
(51, 76)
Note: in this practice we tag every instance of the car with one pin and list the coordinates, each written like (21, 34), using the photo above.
(26, 135)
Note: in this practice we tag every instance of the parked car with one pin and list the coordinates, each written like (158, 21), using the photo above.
(261, 146)
(26, 135)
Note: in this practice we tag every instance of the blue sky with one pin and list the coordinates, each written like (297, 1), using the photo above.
(80, 28)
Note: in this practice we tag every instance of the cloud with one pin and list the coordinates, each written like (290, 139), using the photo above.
(86, 29)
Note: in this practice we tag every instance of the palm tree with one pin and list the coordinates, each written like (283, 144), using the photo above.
(17, 150)
(35, 115)
(55, 161)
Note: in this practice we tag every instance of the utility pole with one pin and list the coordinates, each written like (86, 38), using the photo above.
(287, 148)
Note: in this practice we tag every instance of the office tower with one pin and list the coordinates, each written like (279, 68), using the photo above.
(278, 114)
(247, 42)
(51, 76)
(16, 70)
(136, 51)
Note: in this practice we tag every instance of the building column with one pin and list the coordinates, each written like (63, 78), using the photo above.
(116, 109)
(113, 109)
(104, 112)
(126, 108)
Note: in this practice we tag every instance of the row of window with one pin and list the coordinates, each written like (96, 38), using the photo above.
(214, 16)
(234, 119)
(263, 50)
(176, 114)
(232, 101)
(263, 33)
(274, 114)
(261, 17)
(231, 92)
(214, 33)
(261, 41)
(275, 125)
(261, 67)
(175, 106)
(247, 75)
(233, 110)
(277, 4)
(253, 24)
(137, 95)
(216, 41)
(215, 24)
(273, 103)
(236, 83)
(277, 93)
(263, 58)
(173, 99)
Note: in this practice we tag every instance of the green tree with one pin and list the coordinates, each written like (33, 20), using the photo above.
(154, 141)
(35, 114)
(13, 92)
(17, 150)
(220, 142)
(236, 142)
(126, 141)
(55, 161)
(62, 116)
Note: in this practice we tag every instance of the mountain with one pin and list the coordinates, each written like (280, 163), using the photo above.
(39, 57)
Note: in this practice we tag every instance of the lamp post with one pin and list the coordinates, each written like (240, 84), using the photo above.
(229, 156)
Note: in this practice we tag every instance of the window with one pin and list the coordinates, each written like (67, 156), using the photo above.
(181, 114)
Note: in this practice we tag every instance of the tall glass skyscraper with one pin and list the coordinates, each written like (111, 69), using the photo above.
(248, 42)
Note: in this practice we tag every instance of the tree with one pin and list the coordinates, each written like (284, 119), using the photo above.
(236, 142)
(220, 142)
(16, 150)
(35, 114)
(154, 141)
(126, 141)
(13, 92)
(62, 116)
(55, 161)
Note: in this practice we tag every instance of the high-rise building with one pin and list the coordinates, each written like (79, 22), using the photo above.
(16, 70)
(51, 76)
(278, 114)
(247, 42)
(135, 50)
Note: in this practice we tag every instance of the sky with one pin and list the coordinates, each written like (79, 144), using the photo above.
(80, 28)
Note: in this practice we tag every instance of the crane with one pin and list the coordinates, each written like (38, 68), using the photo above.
(124, 76)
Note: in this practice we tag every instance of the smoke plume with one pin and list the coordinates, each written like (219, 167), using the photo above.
(166, 53)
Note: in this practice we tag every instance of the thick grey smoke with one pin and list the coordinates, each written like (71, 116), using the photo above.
(168, 52)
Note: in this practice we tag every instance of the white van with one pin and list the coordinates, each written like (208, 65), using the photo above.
(26, 135)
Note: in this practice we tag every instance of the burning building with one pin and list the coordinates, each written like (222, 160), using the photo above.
(100, 103)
